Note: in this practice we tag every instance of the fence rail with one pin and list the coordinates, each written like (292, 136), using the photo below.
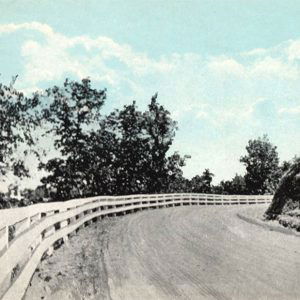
(28, 233)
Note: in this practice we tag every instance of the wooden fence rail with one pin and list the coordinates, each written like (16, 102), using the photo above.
(29, 233)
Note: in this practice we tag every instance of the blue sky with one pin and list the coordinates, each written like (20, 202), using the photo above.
(228, 71)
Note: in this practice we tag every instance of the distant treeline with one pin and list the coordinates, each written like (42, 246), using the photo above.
(124, 152)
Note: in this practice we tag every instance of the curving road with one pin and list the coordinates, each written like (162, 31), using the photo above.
(200, 253)
(175, 253)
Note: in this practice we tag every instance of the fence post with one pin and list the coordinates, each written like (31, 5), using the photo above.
(66, 239)
(50, 250)
(41, 237)
(248, 200)
(63, 223)
(114, 214)
(7, 236)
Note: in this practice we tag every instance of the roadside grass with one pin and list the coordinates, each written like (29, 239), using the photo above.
(290, 219)
(288, 223)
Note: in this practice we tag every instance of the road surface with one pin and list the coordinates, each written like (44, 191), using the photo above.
(197, 253)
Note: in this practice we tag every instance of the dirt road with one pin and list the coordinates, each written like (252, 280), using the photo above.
(197, 253)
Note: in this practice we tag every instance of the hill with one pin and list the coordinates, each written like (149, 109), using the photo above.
(286, 202)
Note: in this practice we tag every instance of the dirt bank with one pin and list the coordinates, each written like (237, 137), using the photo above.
(75, 271)
(176, 253)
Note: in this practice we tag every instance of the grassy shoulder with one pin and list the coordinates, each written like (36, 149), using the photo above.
(288, 223)
(290, 219)
(74, 271)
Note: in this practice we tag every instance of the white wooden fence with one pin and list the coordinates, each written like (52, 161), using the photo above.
(29, 233)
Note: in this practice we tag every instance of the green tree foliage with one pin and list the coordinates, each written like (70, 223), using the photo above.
(136, 152)
(174, 182)
(262, 166)
(101, 158)
(196, 184)
(18, 120)
(128, 150)
(72, 112)
(124, 152)
(207, 177)
(160, 131)
(286, 165)
(236, 186)
(202, 184)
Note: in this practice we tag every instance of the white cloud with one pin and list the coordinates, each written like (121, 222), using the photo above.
(57, 56)
(189, 83)
(268, 63)
(235, 114)
(273, 67)
(293, 50)
(36, 26)
(255, 52)
(226, 66)
(289, 110)
(51, 59)
(201, 114)
(194, 107)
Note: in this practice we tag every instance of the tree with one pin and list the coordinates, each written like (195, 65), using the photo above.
(202, 184)
(139, 142)
(262, 166)
(235, 186)
(207, 177)
(128, 151)
(124, 152)
(238, 185)
(160, 131)
(179, 184)
(196, 184)
(18, 120)
(102, 150)
(286, 165)
(175, 182)
(73, 112)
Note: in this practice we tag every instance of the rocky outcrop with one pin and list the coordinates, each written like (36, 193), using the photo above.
(287, 195)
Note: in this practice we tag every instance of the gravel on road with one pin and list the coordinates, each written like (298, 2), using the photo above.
(192, 252)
